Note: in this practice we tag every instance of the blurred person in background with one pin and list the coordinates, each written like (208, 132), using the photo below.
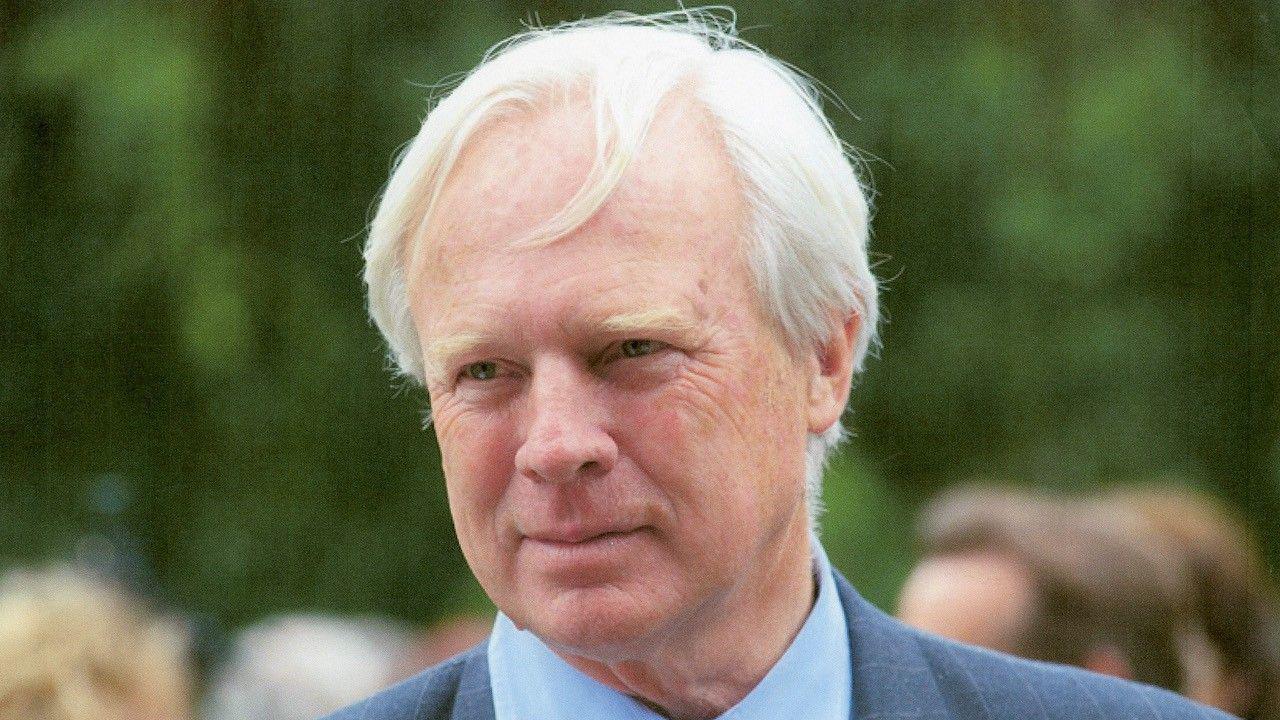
(74, 646)
(1231, 598)
(298, 667)
(1050, 579)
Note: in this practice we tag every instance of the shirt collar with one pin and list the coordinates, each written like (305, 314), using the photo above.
(812, 679)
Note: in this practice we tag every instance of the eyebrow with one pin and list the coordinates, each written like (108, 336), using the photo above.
(653, 319)
(438, 350)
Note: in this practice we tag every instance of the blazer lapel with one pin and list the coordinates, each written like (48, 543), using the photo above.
(474, 700)
(891, 677)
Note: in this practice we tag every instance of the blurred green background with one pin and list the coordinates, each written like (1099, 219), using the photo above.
(1078, 222)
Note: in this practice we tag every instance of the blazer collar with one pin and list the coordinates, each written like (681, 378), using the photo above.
(891, 676)
(474, 700)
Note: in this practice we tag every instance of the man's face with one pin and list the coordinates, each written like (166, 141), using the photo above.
(622, 432)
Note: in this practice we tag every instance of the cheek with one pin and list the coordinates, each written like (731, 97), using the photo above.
(746, 429)
(752, 405)
(700, 439)
(477, 452)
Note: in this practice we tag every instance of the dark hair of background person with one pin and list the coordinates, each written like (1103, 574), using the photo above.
(1096, 586)
(1231, 596)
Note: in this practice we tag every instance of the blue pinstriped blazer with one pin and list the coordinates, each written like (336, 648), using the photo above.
(898, 674)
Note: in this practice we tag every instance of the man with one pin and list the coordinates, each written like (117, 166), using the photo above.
(627, 258)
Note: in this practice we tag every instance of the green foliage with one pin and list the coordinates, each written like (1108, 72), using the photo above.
(1076, 213)
(864, 531)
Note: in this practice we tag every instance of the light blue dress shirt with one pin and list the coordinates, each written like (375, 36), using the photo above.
(813, 679)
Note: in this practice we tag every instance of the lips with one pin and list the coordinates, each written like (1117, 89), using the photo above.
(583, 557)
(577, 536)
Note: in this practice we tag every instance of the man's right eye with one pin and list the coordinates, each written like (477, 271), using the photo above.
(483, 370)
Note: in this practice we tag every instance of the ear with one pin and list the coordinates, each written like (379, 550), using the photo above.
(1108, 660)
(831, 374)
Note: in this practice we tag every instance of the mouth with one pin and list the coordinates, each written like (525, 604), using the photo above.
(573, 538)
(582, 556)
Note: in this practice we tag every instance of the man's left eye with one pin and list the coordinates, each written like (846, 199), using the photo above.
(637, 348)
(484, 370)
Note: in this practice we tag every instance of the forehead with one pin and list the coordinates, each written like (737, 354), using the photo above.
(679, 199)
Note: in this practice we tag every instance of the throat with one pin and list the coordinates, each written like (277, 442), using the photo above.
(709, 670)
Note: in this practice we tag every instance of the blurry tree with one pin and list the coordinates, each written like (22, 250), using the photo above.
(1077, 221)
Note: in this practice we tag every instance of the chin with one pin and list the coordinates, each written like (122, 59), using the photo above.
(602, 623)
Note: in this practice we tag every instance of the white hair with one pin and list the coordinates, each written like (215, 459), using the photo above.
(298, 667)
(807, 243)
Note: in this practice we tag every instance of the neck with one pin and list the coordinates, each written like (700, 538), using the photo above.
(717, 660)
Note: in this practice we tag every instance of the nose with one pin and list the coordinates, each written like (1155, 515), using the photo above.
(564, 441)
